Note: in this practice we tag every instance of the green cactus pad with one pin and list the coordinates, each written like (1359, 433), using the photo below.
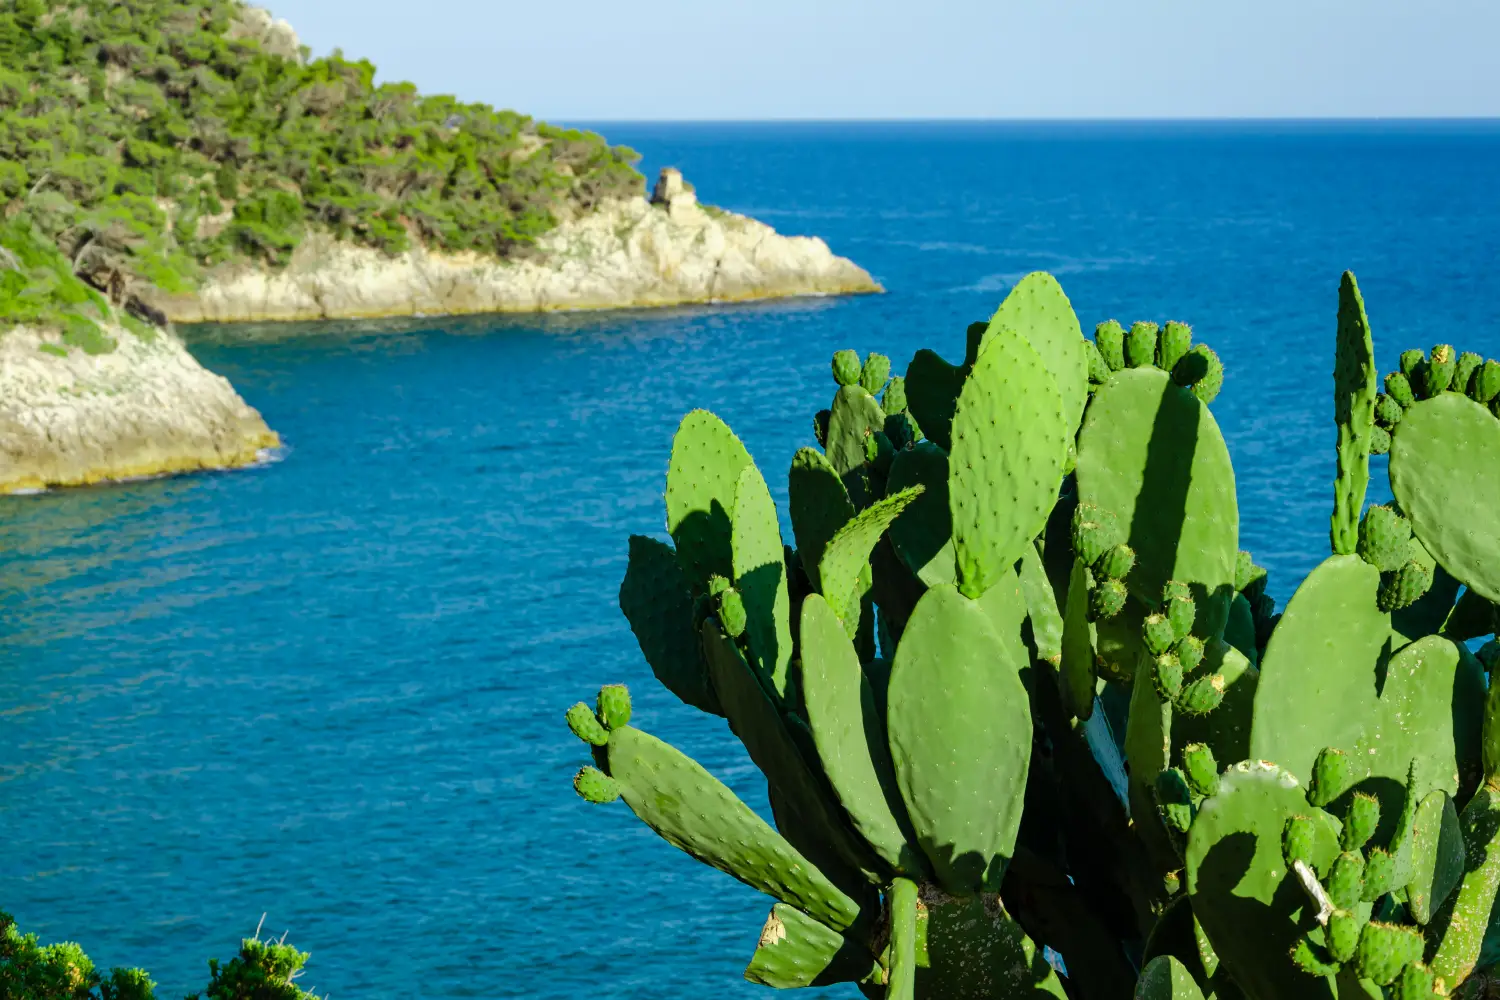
(1140, 345)
(953, 678)
(1342, 935)
(1152, 453)
(1176, 339)
(1410, 360)
(1201, 769)
(850, 737)
(1201, 695)
(1445, 472)
(1094, 531)
(1147, 747)
(815, 822)
(1174, 799)
(656, 600)
(1360, 820)
(1206, 385)
(845, 568)
(705, 468)
(1109, 339)
(820, 506)
(1116, 563)
(924, 538)
(1463, 375)
(1098, 369)
(1314, 960)
(694, 812)
(1437, 856)
(593, 785)
(1037, 309)
(1165, 978)
(1380, 874)
(1384, 950)
(1354, 390)
(932, 388)
(1442, 365)
(760, 578)
(1414, 983)
(1010, 438)
(970, 949)
(1471, 906)
(614, 706)
(1323, 653)
(876, 370)
(1299, 840)
(855, 416)
(1236, 876)
(903, 905)
(1346, 879)
(846, 367)
(894, 400)
(1041, 607)
(1485, 384)
(1239, 629)
(586, 725)
(1332, 775)
(795, 951)
(1077, 677)
(1399, 388)
(1106, 599)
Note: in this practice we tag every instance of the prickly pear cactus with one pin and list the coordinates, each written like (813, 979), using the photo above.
(1029, 720)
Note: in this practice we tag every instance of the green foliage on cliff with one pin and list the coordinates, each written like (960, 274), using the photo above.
(146, 141)
(263, 970)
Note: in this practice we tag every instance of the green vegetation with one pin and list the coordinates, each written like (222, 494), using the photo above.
(263, 970)
(1016, 687)
(144, 141)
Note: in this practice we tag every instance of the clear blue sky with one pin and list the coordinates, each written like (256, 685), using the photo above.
(724, 59)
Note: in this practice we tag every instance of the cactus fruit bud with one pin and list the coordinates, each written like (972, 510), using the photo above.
(1140, 345)
(1384, 950)
(1380, 441)
(1116, 563)
(1189, 650)
(1437, 376)
(1175, 588)
(1486, 383)
(732, 613)
(1416, 982)
(1171, 882)
(1463, 375)
(876, 370)
(1298, 839)
(1094, 531)
(1166, 677)
(1333, 774)
(1174, 799)
(717, 584)
(1207, 388)
(1346, 879)
(614, 706)
(1176, 338)
(1342, 935)
(1249, 579)
(1380, 872)
(1398, 387)
(1384, 537)
(586, 726)
(1410, 359)
(1181, 612)
(894, 400)
(1106, 600)
(1201, 768)
(1387, 411)
(1109, 338)
(846, 367)
(1098, 369)
(1157, 633)
(1404, 587)
(1312, 959)
(593, 785)
(1360, 821)
(1201, 696)
(820, 427)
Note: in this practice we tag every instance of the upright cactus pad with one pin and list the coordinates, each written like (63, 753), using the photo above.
(1354, 391)
(924, 538)
(1140, 345)
(1109, 340)
(759, 562)
(932, 388)
(1445, 472)
(846, 367)
(1152, 453)
(1037, 309)
(1437, 856)
(707, 460)
(657, 601)
(845, 569)
(820, 506)
(953, 680)
(875, 373)
(854, 417)
(795, 951)
(1010, 438)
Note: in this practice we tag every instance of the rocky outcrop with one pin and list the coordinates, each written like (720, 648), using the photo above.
(146, 408)
(666, 251)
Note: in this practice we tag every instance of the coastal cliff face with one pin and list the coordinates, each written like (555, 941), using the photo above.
(635, 253)
(146, 408)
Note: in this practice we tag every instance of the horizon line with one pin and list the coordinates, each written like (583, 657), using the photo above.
(1030, 120)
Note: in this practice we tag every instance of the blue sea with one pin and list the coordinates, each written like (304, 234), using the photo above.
(330, 690)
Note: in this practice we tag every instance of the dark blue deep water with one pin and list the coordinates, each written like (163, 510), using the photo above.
(330, 690)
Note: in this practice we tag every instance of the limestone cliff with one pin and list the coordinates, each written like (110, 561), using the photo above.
(634, 253)
(147, 408)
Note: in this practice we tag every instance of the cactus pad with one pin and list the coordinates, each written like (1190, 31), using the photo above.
(876, 370)
(1354, 391)
(694, 812)
(656, 600)
(1010, 438)
(932, 388)
(820, 506)
(593, 785)
(1437, 856)
(924, 538)
(855, 416)
(845, 568)
(953, 679)
(614, 706)
(1152, 453)
(796, 951)
(1076, 676)
(1166, 978)
(1140, 345)
(585, 725)
(1037, 309)
(971, 949)
(846, 367)
(760, 578)
(707, 460)
(1445, 472)
(1094, 532)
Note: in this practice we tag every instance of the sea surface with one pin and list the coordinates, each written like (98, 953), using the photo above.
(330, 690)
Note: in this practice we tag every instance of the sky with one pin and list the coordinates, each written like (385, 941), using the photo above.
(602, 60)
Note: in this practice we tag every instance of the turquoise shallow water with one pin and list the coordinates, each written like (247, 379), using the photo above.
(330, 689)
